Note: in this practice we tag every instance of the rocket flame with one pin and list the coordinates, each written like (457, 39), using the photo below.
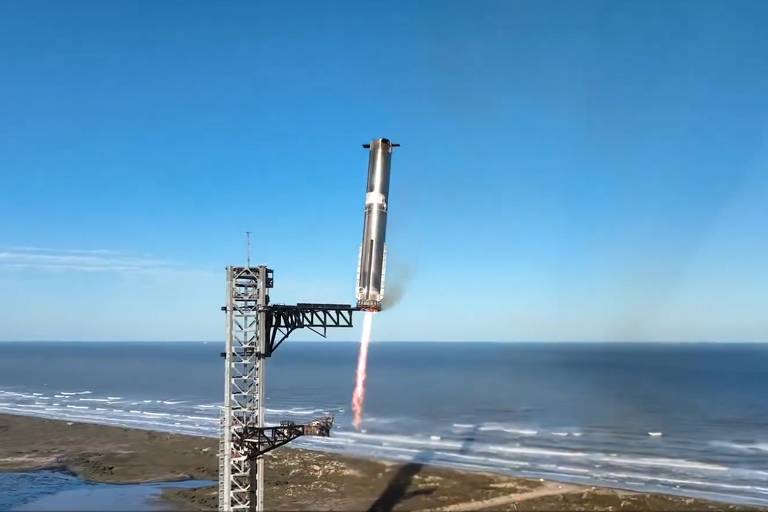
(358, 397)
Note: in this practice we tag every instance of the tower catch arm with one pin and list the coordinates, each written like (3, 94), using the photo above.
(262, 440)
(283, 319)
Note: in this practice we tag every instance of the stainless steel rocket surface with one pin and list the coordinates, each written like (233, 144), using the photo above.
(370, 270)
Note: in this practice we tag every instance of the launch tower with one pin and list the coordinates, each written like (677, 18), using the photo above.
(255, 328)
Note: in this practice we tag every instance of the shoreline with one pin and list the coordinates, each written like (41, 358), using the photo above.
(301, 479)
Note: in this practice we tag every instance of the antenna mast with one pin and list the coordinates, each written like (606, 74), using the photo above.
(248, 248)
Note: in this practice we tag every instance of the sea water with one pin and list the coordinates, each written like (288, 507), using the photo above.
(688, 419)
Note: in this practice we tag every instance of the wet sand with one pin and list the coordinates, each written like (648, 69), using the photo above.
(301, 479)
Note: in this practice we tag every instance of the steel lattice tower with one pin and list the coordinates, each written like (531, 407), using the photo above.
(254, 330)
(242, 483)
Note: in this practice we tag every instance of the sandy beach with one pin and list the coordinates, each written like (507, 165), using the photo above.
(300, 479)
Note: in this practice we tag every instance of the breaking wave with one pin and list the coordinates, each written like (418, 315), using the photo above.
(755, 447)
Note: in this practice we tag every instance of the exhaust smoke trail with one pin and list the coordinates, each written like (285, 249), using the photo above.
(358, 396)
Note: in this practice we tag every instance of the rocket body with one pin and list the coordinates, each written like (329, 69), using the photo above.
(370, 274)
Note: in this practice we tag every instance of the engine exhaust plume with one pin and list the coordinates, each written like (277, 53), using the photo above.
(358, 396)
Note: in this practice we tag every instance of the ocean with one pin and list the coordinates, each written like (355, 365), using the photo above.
(689, 419)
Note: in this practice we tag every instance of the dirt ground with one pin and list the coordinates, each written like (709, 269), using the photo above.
(301, 479)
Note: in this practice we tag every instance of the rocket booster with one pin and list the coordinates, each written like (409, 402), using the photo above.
(370, 269)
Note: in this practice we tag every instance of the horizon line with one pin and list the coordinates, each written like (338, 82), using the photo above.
(408, 341)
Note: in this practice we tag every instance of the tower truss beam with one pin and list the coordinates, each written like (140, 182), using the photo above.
(263, 440)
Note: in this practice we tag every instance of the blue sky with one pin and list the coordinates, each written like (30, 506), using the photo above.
(568, 171)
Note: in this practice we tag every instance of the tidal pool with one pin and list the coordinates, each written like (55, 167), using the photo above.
(50, 490)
